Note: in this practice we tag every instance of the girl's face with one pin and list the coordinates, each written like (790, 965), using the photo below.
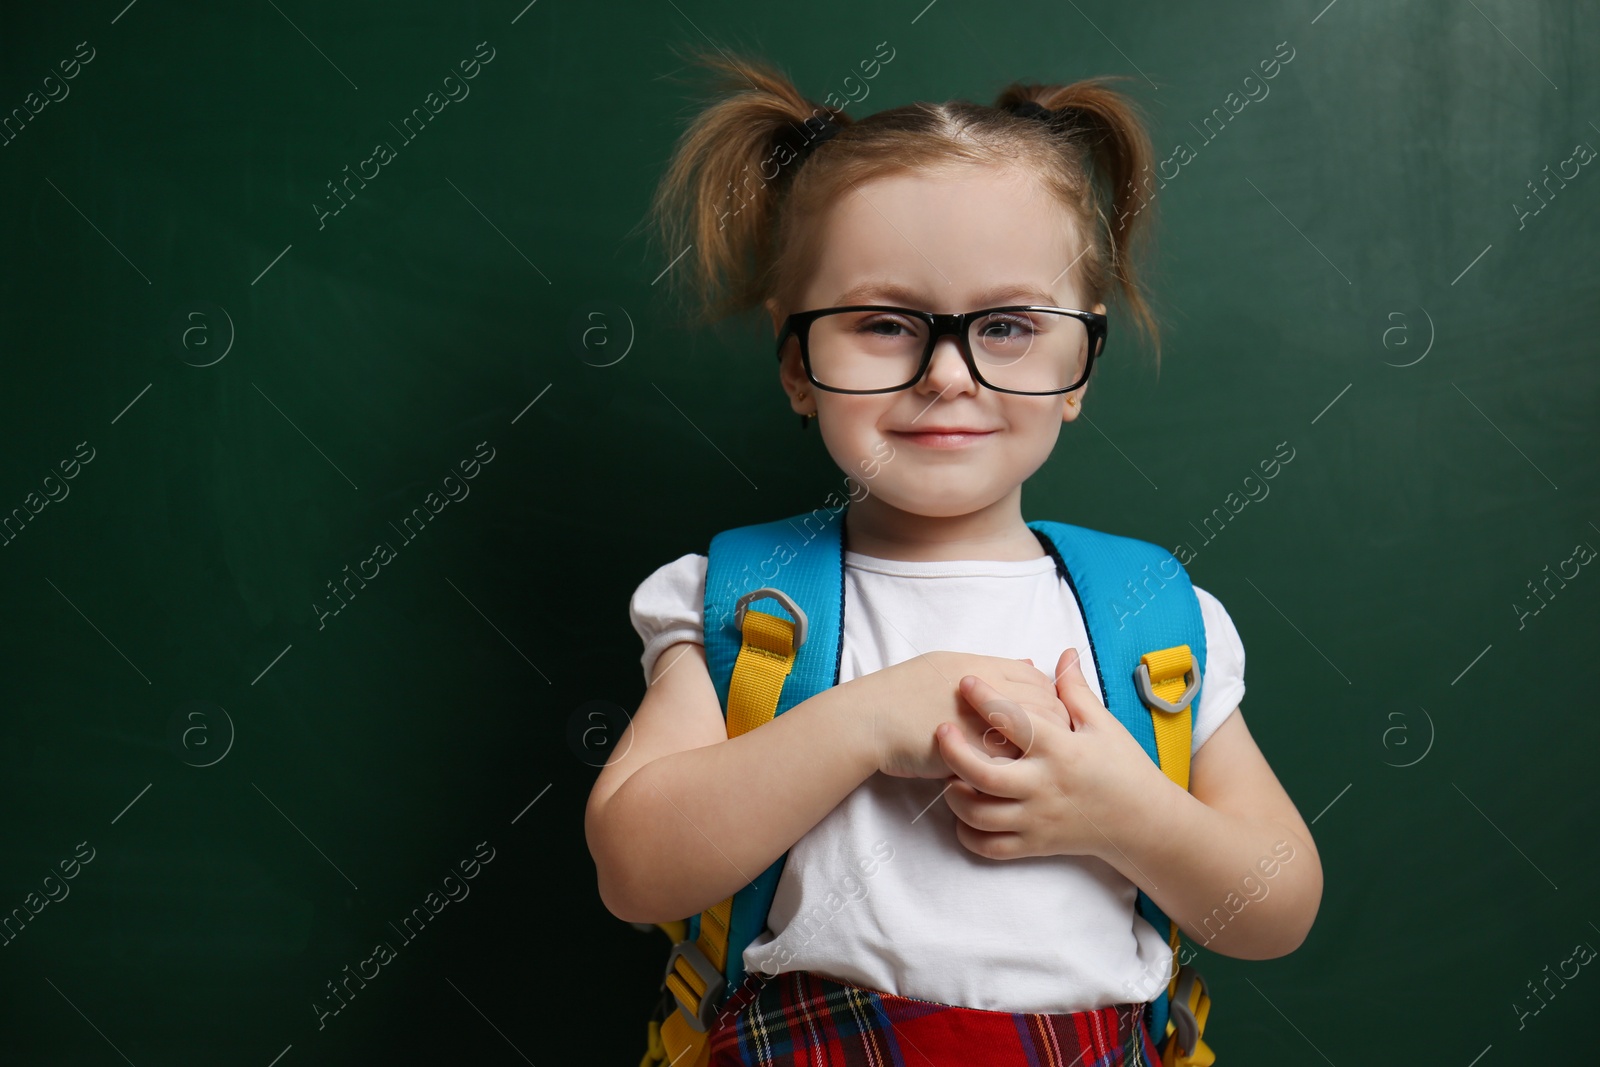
(947, 242)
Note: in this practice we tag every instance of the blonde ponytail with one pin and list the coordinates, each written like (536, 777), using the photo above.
(720, 195)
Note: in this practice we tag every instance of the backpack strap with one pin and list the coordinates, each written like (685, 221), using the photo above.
(762, 664)
(1148, 642)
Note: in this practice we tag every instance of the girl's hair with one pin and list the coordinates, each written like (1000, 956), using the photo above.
(735, 192)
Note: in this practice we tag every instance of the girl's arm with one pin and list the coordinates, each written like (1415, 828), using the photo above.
(683, 815)
(1235, 838)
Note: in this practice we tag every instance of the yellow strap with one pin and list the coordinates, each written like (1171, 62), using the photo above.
(1174, 735)
(655, 1053)
(1174, 731)
(685, 1046)
(766, 655)
(765, 659)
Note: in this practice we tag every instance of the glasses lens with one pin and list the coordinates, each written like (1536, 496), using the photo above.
(866, 349)
(1028, 351)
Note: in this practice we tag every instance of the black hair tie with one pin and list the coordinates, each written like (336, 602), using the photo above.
(818, 128)
(1061, 120)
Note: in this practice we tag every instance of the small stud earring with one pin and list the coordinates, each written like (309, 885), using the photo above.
(1072, 401)
(805, 419)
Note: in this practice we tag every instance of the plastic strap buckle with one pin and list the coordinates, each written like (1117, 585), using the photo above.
(713, 980)
(1141, 681)
(1179, 1012)
(781, 597)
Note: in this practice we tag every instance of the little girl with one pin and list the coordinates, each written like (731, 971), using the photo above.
(975, 927)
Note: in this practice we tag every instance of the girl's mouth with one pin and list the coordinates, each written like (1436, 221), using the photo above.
(944, 439)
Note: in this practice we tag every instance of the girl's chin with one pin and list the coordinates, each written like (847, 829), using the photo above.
(928, 501)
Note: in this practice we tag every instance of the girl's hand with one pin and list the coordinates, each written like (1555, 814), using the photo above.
(908, 700)
(1076, 786)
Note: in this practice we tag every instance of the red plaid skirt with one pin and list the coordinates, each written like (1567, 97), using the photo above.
(788, 1019)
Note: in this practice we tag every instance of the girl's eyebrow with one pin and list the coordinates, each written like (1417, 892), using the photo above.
(1014, 292)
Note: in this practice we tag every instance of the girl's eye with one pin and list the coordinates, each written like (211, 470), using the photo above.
(999, 327)
(883, 327)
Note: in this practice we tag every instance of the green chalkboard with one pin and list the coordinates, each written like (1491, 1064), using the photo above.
(342, 413)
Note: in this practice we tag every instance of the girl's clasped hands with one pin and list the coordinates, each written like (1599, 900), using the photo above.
(1035, 766)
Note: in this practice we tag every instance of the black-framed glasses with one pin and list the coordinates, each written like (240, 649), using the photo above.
(1029, 349)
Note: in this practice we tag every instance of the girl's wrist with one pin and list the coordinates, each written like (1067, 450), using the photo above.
(1150, 818)
(852, 723)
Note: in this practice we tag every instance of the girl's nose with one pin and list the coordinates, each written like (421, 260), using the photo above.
(948, 373)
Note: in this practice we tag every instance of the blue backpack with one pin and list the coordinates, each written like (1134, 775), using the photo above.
(1147, 639)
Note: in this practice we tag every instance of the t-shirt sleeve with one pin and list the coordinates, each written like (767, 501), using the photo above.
(1222, 688)
(668, 607)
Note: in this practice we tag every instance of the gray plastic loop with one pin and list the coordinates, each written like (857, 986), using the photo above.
(1178, 1008)
(1141, 681)
(781, 597)
(706, 1010)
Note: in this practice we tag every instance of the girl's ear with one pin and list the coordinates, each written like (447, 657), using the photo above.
(1072, 411)
(790, 371)
(792, 374)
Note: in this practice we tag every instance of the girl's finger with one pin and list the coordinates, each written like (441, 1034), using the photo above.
(968, 763)
(981, 811)
(1011, 719)
(1073, 688)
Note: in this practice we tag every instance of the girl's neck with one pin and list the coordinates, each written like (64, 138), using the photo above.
(996, 532)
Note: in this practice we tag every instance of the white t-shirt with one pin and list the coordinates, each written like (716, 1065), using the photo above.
(880, 892)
